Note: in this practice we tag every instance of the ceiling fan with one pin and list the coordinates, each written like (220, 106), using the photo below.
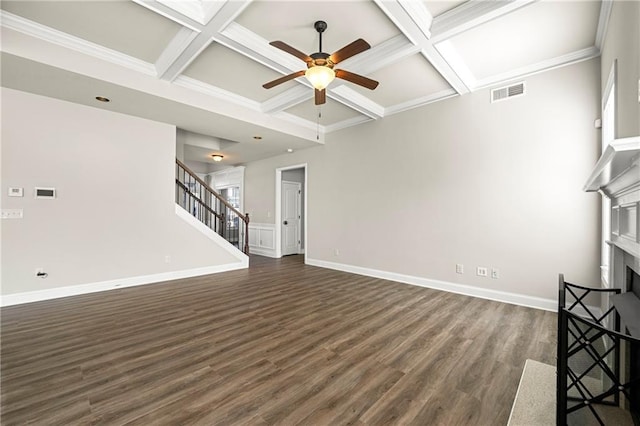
(320, 65)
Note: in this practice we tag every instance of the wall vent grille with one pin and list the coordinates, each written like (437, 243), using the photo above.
(507, 92)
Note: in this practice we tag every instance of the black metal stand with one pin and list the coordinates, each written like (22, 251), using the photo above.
(589, 349)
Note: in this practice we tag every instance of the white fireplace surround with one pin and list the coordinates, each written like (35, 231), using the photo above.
(616, 175)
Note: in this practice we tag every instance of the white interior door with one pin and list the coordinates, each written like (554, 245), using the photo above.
(291, 198)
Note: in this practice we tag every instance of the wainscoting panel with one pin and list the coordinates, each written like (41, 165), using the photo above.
(262, 239)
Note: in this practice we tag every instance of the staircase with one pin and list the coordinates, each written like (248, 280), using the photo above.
(206, 205)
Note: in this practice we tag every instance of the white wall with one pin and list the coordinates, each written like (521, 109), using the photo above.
(112, 219)
(622, 43)
(459, 181)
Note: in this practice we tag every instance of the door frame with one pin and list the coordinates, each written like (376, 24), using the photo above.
(299, 210)
(278, 218)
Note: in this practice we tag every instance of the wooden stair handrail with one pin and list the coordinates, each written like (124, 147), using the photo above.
(244, 218)
(199, 201)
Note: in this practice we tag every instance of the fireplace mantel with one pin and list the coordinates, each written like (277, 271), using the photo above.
(617, 169)
(617, 176)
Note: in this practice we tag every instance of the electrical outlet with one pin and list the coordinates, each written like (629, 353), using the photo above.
(167, 259)
(481, 271)
(459, 268)
(12, 213)
(336, 252)
(495, 273)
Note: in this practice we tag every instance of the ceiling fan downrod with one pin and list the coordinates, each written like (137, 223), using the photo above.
(320, 26)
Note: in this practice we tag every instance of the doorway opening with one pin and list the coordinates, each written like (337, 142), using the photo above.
(291, 210)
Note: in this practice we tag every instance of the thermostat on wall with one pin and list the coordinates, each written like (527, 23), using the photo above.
(46, 193)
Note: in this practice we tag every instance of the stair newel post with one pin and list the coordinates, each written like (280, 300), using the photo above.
(246, 234)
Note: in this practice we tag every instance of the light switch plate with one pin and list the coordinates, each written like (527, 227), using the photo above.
(16, 192)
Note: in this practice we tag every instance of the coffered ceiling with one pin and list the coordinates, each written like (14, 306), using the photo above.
(178, 60)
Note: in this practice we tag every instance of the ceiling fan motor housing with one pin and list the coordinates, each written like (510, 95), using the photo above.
(320, 59)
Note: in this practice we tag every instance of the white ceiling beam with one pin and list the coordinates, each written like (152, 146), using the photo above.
(250, 44)
(471, 14)
(174, 49)
(185, 47)
(287, 99)
(189, 8)
(386, 53)
(419, 14)
(417, 34)
(170, 13)
(356, 101)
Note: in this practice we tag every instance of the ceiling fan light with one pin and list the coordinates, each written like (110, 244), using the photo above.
(320, 76)
(217, 157)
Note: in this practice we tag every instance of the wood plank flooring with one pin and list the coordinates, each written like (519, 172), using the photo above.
(278, 344)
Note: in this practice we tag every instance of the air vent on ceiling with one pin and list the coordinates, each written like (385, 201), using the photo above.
(502, 93)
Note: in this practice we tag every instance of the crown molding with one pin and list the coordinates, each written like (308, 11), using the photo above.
(216, 92)
(471, 14)
(546, 65)
(603, 22)
(416, 103)
(350, 122)
(33, 29)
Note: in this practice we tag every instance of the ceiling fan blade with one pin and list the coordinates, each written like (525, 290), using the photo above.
(321, 96)
(357, 79)
(291, 50)
(349, 50)
(281, 80)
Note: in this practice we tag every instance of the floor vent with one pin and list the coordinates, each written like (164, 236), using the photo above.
(502, 93)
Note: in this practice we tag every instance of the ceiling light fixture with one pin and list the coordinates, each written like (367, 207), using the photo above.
(217, 157)
(102, 99)
(289, 150)
(320, 76)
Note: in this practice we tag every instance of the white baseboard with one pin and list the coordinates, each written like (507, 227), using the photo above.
(483, 293)
(263, 252)
(55, 293)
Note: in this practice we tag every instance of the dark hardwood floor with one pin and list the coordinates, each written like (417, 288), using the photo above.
(280, 343)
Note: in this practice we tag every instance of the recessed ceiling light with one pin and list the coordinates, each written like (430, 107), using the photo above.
(257, 137)
(217, 157)
(289, 150)
(102, 99)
